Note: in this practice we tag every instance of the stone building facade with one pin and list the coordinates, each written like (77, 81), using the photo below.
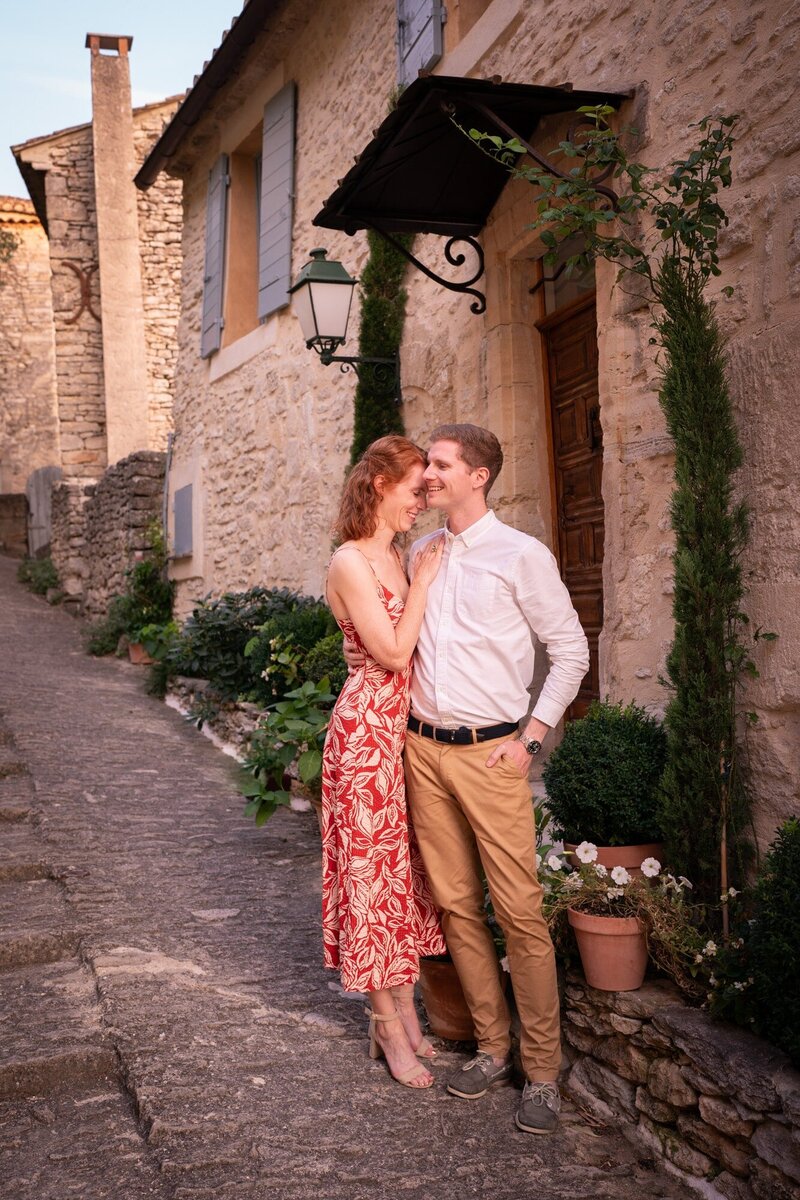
(262, 431)
(108, 273)
(29, 433)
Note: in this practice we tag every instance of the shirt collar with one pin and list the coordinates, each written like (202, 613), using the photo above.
(475, 531)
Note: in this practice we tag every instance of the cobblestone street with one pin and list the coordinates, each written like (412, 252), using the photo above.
(167, 1027)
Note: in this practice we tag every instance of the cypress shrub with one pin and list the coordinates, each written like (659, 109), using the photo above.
(383, 308)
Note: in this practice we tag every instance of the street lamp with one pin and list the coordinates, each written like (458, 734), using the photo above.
(322, 296)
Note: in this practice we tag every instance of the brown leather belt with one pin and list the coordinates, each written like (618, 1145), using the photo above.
(462, 736)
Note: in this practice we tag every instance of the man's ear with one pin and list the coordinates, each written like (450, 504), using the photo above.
(479, 477)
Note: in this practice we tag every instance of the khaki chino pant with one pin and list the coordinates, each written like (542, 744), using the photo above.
(467, 816)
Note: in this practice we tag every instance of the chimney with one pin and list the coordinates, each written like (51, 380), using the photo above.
(121, 303)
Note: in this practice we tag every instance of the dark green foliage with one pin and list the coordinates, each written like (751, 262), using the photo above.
(704, 795)
(383, 308)
(147, 600)
(325, 661)
(760, 980)
(281, 645)
(38, 574)
(212, 644)
(603, 779)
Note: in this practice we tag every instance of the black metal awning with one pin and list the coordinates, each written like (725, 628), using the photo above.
(421, 174)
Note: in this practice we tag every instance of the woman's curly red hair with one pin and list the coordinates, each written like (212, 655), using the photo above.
(392, 457)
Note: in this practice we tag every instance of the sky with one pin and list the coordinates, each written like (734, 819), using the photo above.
(44, 66)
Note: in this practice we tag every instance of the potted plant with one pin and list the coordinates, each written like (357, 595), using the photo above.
(603, 783)
(621, 921)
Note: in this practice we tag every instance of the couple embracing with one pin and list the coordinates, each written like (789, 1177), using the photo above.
(441, 661)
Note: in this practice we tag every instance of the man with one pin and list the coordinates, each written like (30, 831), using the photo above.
(467, 764)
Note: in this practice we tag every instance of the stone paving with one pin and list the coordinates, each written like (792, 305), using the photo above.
(166, 1027)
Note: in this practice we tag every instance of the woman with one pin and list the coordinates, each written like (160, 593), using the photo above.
(378, 916)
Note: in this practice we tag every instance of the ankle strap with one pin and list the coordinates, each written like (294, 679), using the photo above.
(373, 1016)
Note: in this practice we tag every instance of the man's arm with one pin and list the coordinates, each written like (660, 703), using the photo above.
(547, 607)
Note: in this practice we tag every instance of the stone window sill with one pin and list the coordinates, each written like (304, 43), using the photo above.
(243, 349)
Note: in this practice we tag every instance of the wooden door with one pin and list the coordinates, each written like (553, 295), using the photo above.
(571, 343)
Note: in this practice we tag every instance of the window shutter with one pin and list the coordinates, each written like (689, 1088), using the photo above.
(419, 37)
(213, 279)
(182, 510)
(277, 194)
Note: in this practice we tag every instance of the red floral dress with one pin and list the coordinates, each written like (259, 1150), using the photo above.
(378, 917)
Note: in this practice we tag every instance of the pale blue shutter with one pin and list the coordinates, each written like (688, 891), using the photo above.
(182, 510)
(277, 194)
(419, 37)
(213, 278)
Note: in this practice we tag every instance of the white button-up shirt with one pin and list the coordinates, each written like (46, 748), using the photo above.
(474, 660)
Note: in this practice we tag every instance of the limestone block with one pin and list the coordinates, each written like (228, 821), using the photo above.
(733, 1157)
(768, 1183)
(649, 999)
(624, 1025)
(723, 1116)
(665, 1082)
(664, 1139)
(787, 1084)
(701, 1083)
(732, 1187)
(739, 1063)
(587, 1098)
(779, 1147)
(657, 1041)
(657, 1110)
(616, 1092)
(580, 1039)
(631, 1063)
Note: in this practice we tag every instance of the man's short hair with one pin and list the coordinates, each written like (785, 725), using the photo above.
(478, 448)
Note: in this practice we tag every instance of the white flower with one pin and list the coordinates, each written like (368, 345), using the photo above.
(698, 958)
(601, 870)
(651, 867)
(586, 852)
(737, 943)
(538, 861)
(732, 891)
(554, 862)
(710, 949)
(684, 882)
(615, 892)
(712, 979)
(504, 965)
(573, 882)
(620, 875)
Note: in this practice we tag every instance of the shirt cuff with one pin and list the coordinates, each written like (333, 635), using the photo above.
(548, 711)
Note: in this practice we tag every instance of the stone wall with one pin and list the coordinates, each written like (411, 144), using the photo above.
(100, 529)
(122, 506)
(263, 431)
(28, 417)
(717, 1103)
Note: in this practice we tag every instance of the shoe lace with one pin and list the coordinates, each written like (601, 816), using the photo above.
(542, 1093)
(484, 1062)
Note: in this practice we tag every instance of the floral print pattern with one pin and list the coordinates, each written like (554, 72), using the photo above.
(378, 917)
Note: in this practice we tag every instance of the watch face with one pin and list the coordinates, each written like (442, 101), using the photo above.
(532, 746)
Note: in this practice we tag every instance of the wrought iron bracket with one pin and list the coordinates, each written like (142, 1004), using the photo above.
(383, 370)
(449, 109)
(478, 305)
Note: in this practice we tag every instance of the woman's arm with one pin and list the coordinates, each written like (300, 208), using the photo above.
(352, 584)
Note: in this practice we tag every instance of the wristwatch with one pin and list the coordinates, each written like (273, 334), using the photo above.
(530, 744)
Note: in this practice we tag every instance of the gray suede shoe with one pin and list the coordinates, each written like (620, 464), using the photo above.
(539, 1108)
(474, 1079)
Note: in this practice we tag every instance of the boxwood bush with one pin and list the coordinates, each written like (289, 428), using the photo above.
(324, 661)
(281, 646)
(602, 781)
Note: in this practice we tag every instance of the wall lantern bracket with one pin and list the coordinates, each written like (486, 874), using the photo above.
(465, 287)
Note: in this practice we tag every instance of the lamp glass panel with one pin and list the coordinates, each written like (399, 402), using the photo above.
(301, 303)
(331, 303)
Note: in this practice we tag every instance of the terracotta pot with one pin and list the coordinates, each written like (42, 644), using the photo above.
(613, 950)
(444, 1000)
(138, 655)
(629, 857)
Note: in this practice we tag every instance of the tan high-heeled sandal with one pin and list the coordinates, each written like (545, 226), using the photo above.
(376, 1051)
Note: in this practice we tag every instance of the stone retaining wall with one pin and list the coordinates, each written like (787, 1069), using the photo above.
(230, 722)
(720, 1105)
(100, 529)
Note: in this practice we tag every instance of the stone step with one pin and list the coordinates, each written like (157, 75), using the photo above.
(50, 1031)
(22, 853)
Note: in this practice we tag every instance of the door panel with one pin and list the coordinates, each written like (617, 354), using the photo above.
(571, 344)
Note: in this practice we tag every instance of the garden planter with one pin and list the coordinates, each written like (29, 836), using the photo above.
(138, 655)
(629, 857)
(444, 1001)
(613, 950)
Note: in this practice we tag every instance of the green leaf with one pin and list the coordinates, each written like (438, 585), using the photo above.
(309, 764)
(548, 238)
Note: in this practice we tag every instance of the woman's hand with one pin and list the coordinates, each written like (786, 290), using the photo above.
(427, 561)
(354, 657)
